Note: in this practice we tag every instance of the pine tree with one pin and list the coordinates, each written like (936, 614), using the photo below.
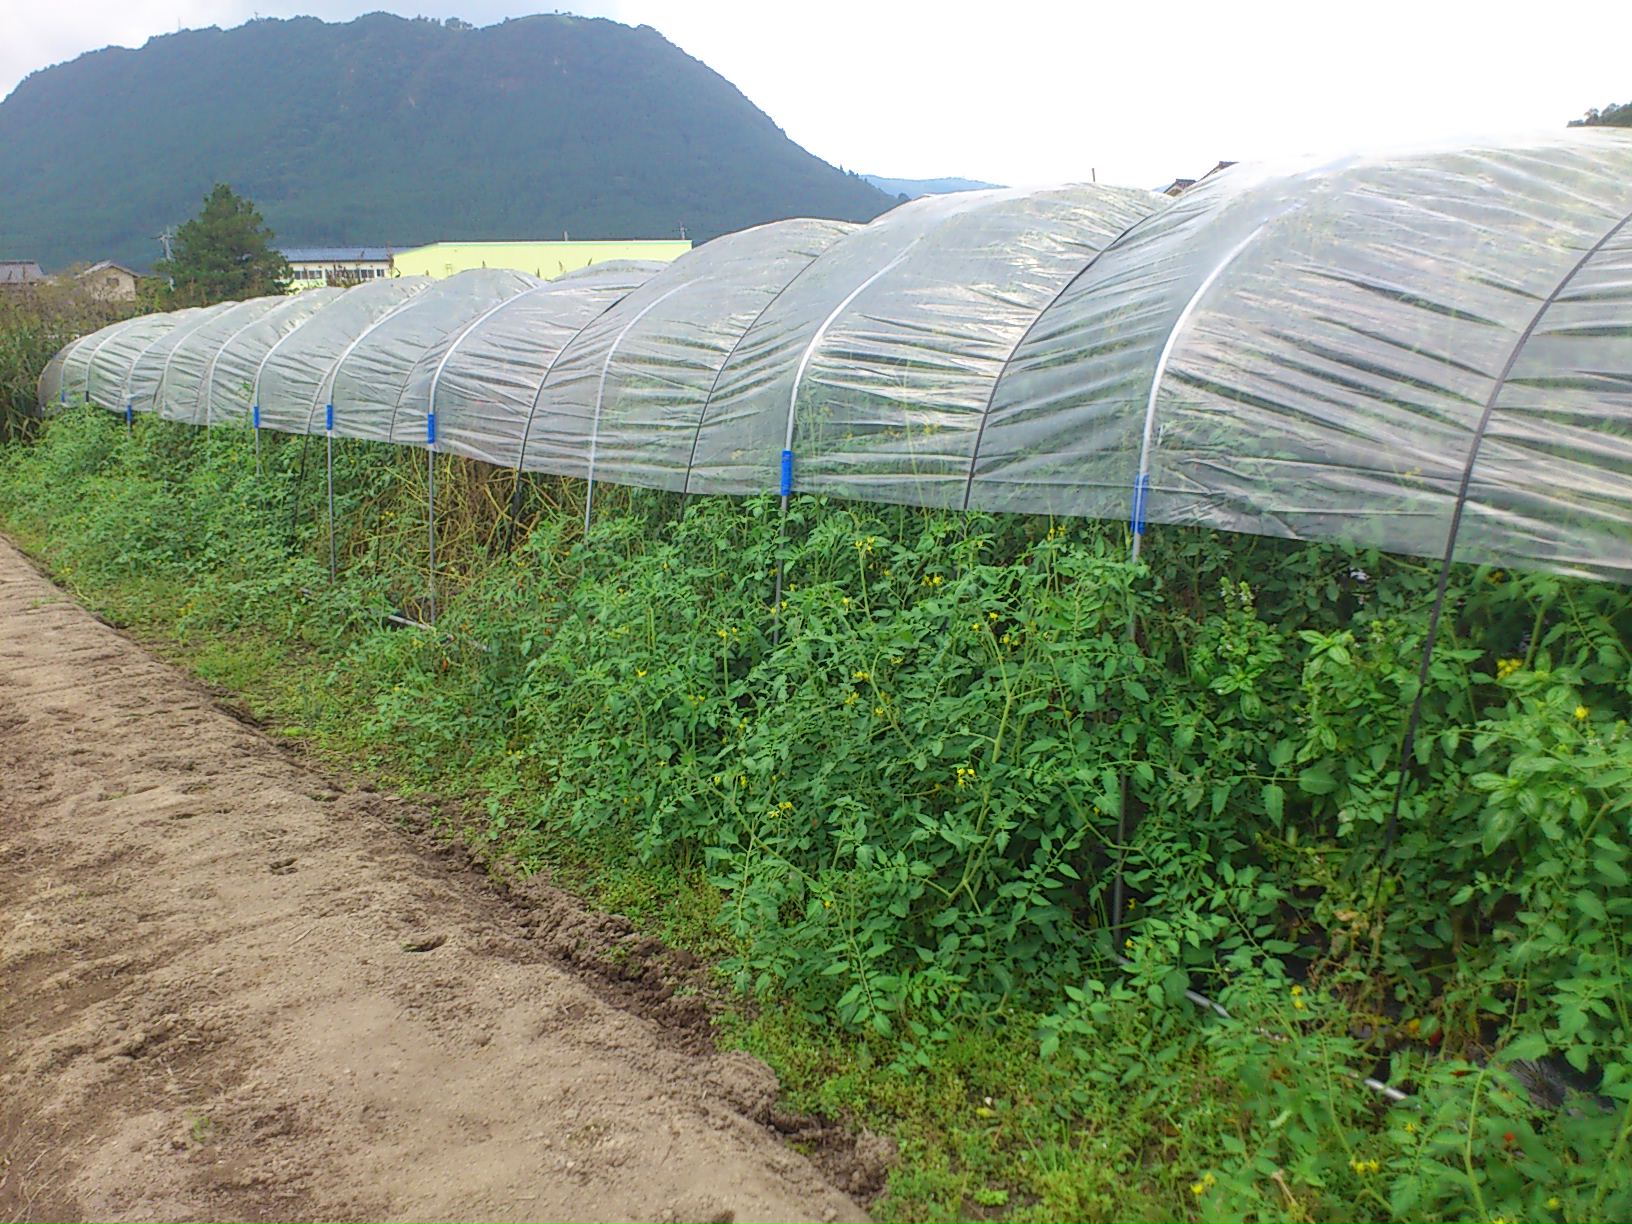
(223, 253)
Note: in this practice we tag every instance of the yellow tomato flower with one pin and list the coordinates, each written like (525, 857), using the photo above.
(1581, 713)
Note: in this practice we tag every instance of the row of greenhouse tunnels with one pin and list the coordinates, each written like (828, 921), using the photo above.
(1428, 353)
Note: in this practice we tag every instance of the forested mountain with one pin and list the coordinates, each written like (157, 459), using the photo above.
(389, 130)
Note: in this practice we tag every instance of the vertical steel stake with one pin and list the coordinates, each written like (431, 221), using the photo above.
(430, 503)
(781, 536)
(1119, 886)
(255, 420)
(328, 461)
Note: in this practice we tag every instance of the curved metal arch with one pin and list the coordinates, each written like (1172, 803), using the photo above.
(600, 391)
(1180, 324)
(991, 397)
(538, 396)
(1414, 720)
(255, 387)
(326, 383)
(436, 375)
(164, 372)
(206, 386)
(124, 392)
(90, 362)
(719, 370)
(815, 341)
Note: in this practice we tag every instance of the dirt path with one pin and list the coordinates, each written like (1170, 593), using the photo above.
(211, 1005)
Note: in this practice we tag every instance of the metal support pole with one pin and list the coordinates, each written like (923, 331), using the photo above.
(781, 538)
(430, 505)
(1119, 886)
(328, 463)
(255, 420)
(130, 417)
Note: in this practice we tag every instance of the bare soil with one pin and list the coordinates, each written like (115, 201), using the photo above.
(235, 987)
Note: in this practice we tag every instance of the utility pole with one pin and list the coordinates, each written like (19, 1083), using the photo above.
(165, 236)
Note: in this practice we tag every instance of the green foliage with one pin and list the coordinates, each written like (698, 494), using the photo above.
(1611, 116)
(892, 807)
(33, 326)
(387, 130)
(222, 254)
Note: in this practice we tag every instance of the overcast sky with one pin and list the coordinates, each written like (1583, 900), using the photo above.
(1026, 92)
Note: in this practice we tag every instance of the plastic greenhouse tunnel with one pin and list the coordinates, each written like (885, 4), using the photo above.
(1428, 352)
(483, 380)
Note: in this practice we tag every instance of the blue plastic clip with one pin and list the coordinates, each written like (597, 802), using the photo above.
(328, 418)
(255, 416)
(430, 429)
(64, 399)
(130, 415)
(787, 472)
(1141, 496)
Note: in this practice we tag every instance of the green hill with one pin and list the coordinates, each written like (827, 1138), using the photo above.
(389, 130)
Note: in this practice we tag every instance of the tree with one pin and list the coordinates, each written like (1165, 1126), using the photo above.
(1610, 116)
(225, 252)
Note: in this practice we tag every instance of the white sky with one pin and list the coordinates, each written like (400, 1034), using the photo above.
(1029, 91)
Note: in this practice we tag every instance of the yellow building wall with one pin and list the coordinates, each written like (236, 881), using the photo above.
(542, 259)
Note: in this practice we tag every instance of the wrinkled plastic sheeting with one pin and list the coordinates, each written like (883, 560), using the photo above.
(226, 387)
(876, 367)
(485, 381)
(613, 271)
(184, 355)
(625, 397)
(292, 382)
(147, 371)
(367, 385)
(1551, 486)
(107, 375)
(76, 363)
(1309, 354)
(49, 393)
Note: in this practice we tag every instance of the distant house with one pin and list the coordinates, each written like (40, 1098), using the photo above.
(109, 282)
(1181, 185)
(313, 267)
(20, 276)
